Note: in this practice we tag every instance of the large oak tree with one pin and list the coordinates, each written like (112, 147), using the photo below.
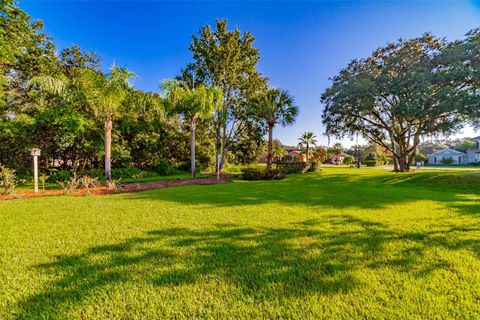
(401, 93)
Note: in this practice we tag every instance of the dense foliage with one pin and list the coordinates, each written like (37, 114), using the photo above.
(86, 118)
(405, 91)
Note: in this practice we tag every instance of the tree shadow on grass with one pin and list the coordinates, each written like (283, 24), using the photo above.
(333, 190)
(316, 256)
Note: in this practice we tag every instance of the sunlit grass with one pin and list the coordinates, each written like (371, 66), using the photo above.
(343, 243)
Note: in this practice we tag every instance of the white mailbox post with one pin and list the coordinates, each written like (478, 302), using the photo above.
(35, 154)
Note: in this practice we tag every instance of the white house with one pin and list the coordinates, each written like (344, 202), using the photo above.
(442, 156)
(473, 155)
(457, 157)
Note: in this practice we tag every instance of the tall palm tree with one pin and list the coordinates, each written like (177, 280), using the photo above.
(274, 107)
(104, 95)
(307, 139)
(193, 104)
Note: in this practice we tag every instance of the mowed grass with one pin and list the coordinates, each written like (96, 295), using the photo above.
(340, 244)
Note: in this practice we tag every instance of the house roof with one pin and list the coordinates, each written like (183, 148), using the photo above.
(341, 154)
(448, 151)
(295, 153)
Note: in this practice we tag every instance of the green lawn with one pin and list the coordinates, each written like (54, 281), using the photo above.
(343, 243)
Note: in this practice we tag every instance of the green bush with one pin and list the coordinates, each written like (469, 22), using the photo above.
(371, 163)
(55, 175)
(447, 161)
(59, 176)
(125, 173)
(256, 173)
(7, 181)
(117, 173)
(292, 167)
(298, 167)
(164, 168)
(187, 166)
(348, 160)
(253, 173)
(371, 156)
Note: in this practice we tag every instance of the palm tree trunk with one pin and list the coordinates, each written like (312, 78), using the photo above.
(108, 148)
(218, 148)
(192, 145)
(270, 152)
(307, 151)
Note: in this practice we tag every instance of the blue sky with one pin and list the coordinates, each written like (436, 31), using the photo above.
(301, 44)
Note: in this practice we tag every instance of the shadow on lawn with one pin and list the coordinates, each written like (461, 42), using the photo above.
(314, 256)
(335, 190)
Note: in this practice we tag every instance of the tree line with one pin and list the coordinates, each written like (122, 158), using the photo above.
(220, 107)
(216, 110)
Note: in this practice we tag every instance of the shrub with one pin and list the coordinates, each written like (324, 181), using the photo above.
(277, 175)
(117, 173)
(293, 167)
(348, 160)
(71, 184)
(125, 173)
(23, 178)
(298, 167)
(55, 175)
(253, 173)
(113, 185)
(139, 175)
(43, 178)
(371, 163)
(371, 156)
(89, 182)
(163, 168)
(447, 161)
(256, 173)
(186, 166)
(7, 181)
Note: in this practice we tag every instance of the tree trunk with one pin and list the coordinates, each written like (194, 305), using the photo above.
(394, 150)
(218, 148)
(108, 148)
(395, 164)
(270, 152)
(403, 163)
(224, 148)
(307, 152)
(192, 146)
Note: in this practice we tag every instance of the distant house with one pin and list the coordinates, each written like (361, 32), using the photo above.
(452, 156)
(295, 155)
(338, 158)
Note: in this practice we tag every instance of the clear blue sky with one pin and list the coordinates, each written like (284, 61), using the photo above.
(301, 44)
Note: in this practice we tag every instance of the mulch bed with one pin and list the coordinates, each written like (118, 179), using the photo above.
(121, 188)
